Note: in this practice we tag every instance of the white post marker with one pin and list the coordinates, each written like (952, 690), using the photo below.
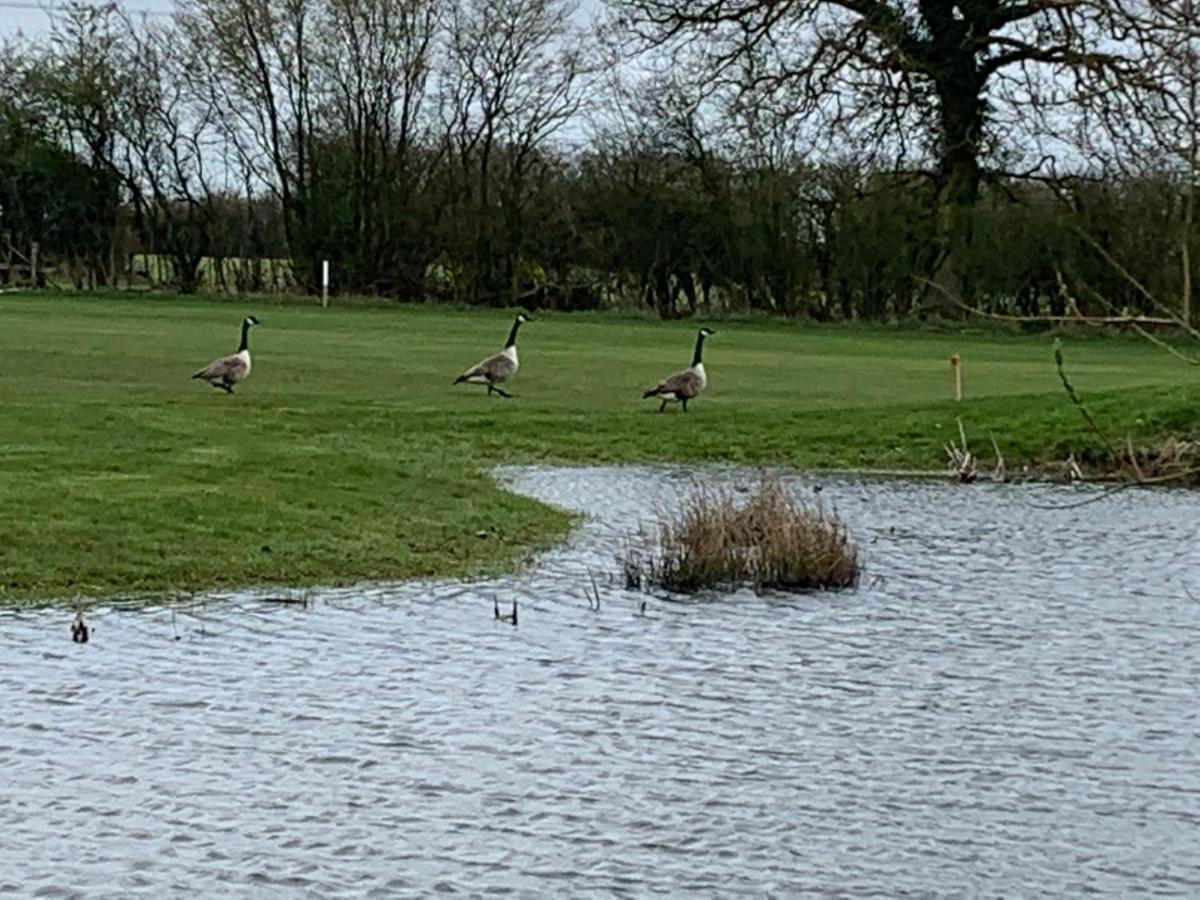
(957, 370)
(324, 283)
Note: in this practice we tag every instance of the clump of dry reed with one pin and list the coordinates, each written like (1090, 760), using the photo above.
(773, 540)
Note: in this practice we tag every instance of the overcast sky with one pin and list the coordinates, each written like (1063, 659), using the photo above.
(31, 17)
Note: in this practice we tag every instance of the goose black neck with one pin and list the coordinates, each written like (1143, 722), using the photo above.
(512, 335)
(245, 344)
(699, 347)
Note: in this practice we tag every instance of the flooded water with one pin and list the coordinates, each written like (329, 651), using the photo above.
(1007, 705)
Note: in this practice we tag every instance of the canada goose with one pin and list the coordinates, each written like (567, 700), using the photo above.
(510, 617)
(683, 386)
(227, 371)
(495, 369)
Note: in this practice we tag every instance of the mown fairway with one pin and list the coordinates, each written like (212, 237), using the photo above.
(348, 455)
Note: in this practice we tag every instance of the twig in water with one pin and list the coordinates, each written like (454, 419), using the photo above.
(511, 618)
(595, 594)
(962, 461)
(1104, 495)
(999, 475)
(79, 629)
(1074, 473)
(287, 601)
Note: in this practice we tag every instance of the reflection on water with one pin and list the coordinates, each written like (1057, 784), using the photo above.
(1007, 705)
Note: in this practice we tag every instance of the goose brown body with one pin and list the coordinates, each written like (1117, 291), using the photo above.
(685, 384)
(227, 371)
(493, 370)
(499, 367)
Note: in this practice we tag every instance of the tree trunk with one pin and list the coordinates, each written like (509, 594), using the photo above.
(187, 271)
(962, 111)
(1185, 254)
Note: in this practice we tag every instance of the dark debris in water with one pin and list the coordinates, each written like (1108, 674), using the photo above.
(511, 618)
(79, 629)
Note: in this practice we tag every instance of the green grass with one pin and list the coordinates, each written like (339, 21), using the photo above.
(349, 455)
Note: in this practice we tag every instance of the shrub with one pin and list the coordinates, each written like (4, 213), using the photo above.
(773, 540)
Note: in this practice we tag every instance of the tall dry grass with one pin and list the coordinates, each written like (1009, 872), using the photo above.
(772, 540)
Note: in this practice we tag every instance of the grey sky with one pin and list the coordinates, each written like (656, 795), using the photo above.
(32, 17)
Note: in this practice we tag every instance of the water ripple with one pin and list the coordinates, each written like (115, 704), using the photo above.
(1005, 707)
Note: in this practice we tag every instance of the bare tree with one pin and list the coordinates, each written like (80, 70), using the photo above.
(876, 71)
(378, 58)
(167, 150)
(80, 79)
(1170, 37)
(512, 78)
(256, 58)
(1142, 143)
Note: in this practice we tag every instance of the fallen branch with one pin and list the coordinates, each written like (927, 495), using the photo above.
(1087, 501)
(1137, 285)
(1076, 318)
(1136, 324)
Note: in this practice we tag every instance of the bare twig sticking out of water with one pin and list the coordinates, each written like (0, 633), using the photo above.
(594, 596)
(962, 460)
(964, 465)
(999, 475)
(1071, 468)
(511, 618)
(174, 627)
(633, 562)
(79, 629)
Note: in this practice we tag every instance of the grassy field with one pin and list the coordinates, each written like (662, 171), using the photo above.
(348, 456)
